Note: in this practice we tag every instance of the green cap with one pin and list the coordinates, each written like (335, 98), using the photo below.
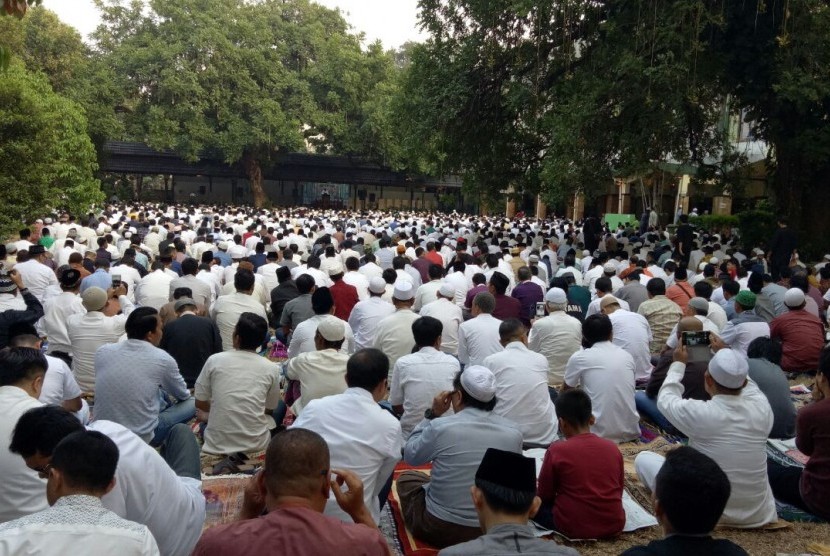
(745, 299)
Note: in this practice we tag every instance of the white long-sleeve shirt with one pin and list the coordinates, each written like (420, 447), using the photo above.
(451, 318)
(733, 431)
(364, 319)
(478, 338)
(557, 337)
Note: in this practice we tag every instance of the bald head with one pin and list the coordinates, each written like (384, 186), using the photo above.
(688, 324)
(295, 463)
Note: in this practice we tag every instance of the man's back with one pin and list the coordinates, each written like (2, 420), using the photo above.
(364, 320)
(190, 340)
(416, 380)
(394, 337)
(295, 530)
(683, 545)
(88, 332)
(557, 337)
(802, 339)
(225, 313)
(662, 315)
(201, 291)
(478, 338)
(361, 436)
(508, 538)
(634, 293)
(23, 492)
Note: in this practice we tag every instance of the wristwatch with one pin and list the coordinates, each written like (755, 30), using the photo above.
(429, 414)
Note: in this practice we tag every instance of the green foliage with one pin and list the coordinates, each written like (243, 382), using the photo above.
(715, 223)
(756, 227)
(47, 159)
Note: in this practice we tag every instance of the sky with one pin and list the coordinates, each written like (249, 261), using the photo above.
(392, 21)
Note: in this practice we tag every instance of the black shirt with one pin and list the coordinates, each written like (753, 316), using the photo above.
(681, 545)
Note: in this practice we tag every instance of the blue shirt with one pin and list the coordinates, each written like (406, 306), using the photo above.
(455, 444)
(98, 279)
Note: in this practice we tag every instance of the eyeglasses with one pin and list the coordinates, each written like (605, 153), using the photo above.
(43, 472)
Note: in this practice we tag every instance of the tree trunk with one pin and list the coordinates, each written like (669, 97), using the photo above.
(254, 172)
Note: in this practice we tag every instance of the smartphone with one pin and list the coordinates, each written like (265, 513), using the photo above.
(697, 345)
(540, 309)
(116, 279)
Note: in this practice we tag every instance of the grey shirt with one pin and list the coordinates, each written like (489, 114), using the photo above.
(455, 444)
(773, 383)
(634, 293)
(508, 538)
(296, 311)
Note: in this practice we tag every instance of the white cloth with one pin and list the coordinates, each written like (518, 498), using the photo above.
(268, 271)
(59, 384)
(240, 386)
(557, 337)
(370, 270)
(672, 340)
(88, 332)
(200, 290)
(302, 337)
(147, 491)
(394, 336)
(321, 373)
(522, 392)
(153, 290)
(23, 492)
(426, 293)
(733, 431)
(360, 283)
(361, 437)
(226, 311)
(416, 379)
(594, 308)
(129, 276)
(606, 373)
(633, 334)
(478, 338)
(56, 313)
(450, 316)
(37, 277)
(214, 284)
(460, 283)
(364, 320)
(76, 524)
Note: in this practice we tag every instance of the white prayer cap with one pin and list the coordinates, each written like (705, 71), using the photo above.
(827, 257)
(47, 221)
(447, 290)
(238, 252)
(332, 329)
(377, 285)
(557, 296)
(479, 382)
(794, 298)
(701, 266)
(714, 260)
(759, 251)
(729, 368)
(335, 268)
(403, 290)
(586, 253)
(223, 245)
(609, 268)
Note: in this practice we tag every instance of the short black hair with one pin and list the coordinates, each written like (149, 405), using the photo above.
(190, 266)
(470, 401)
(252, 330)
(40, 429)
(87, 459)
(179, 293)
(681, 273)
(366, 369)
(505, 500)
(574, 406)
(596, 328)
(478, 278)
(731, 287)
(500, 282)
(141, 322)
(656, 286)
(426, 331)
(305, 283)
(603, 284)
(283, 274)
(764, 347)
(352, 263)
(243, 280)
(703, 289)
(435, 271)
(692, 490)
(322, 301)
(511, 328)
(21, 363)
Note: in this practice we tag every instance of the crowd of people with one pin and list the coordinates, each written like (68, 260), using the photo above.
(146, 345)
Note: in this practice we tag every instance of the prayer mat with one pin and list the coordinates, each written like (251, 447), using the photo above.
(223, 498)
(786, 511)
(401, 538)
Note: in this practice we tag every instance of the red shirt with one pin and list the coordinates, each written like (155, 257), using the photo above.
(435, 258)
(813, 439)
(345, 298)
(507, 307)
(582, 478)
(802, 339)
(297, 531)
(681, 293)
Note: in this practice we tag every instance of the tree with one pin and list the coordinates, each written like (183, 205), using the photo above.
(47, 157)
(18, 9)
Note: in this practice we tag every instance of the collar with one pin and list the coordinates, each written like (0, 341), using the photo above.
(78, 500)
(360, 393)
(503, 528)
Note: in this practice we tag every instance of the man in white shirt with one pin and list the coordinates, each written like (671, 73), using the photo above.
(632, 333)
(603, 288)
(370, 269)
(22, 372)
(731, 428)
(303, 337)
(368, 313)
(154, 289)
(36, 275)
(522, 386)
(82, 470)
(361, 436)
(556, 336)
(449, 314)
(459, 281)
(321, 372)
(394, 336)
(236, 389)
(479, 336)
(606, 373)
(417, 378)
(56, 312)
(428, 292)
(143, 477)
(697, 308)
(227, 309)
(354, 278)
(746, 326)
(201, 291)
(89, 331)
(127, 274)
(268, 271)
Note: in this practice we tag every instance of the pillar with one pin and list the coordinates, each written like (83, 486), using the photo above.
(682, 201)
(510, 207)
(578, 207)
(541, 208)
(722, 204)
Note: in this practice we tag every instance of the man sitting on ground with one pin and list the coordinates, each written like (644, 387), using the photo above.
(321, 372)
(437, 508)
(800, 333)
(479, 336)
(294, 488)
(581, 480)
(556, 336)
(82, 470)
(690, 492)
(504, 498)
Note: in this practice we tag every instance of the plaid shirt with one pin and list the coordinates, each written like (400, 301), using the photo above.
(662, 314)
